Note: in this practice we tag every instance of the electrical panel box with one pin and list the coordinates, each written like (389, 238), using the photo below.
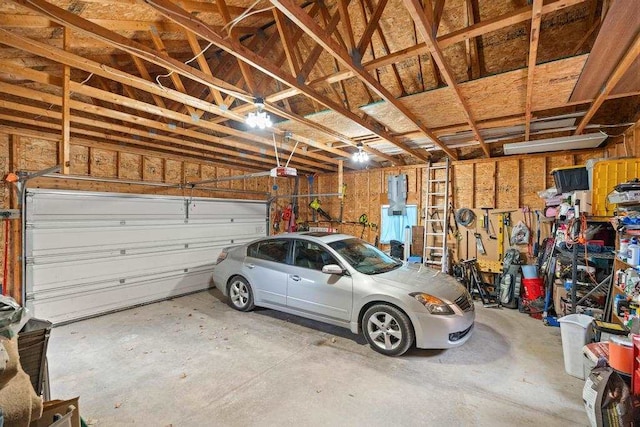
(397, 193)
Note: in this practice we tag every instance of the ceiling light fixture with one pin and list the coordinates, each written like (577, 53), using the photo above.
(259, 119)
(360, 156)
(574, 142)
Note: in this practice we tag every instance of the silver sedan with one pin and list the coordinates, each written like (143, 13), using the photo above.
(344, 281)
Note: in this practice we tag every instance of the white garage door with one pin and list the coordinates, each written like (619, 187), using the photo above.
(91, 253)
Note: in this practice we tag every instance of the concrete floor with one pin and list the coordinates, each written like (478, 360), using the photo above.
(194, 361)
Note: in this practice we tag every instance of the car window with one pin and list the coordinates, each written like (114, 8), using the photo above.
(311, 255)
(270, 250)
(363, 257)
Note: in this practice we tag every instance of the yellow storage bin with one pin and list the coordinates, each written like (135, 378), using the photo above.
(606, 175)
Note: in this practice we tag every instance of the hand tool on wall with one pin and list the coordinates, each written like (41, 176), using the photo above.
(505, 221)
(479, 245)
(487, 224)
(315, 206)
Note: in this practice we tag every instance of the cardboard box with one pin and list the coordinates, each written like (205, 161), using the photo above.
(583, 197)
(59, 407)
(559, 292)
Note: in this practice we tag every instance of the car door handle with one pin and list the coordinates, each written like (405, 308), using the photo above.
(295, 278)
(250, 265)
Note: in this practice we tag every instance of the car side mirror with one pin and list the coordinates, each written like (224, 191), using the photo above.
(332, 269)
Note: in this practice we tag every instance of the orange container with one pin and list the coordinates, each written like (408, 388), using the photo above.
(621, 354)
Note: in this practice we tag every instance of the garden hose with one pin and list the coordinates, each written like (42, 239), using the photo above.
(465, 216)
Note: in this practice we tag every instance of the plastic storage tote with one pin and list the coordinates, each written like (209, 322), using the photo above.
(571, 178)
(576, 331)
(606, 175)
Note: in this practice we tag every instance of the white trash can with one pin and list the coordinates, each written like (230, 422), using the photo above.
(576, 331)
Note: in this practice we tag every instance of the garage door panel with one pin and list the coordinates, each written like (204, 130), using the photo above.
(105, 297)
(52, 275)
(81, 249)
(72, 240)
(68, 205)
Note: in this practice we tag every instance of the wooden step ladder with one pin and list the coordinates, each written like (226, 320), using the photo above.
(436, 215)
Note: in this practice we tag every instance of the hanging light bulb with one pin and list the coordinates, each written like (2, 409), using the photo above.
(360, 156)
(260, 118)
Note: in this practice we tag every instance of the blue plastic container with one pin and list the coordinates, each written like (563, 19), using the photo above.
(530, 271)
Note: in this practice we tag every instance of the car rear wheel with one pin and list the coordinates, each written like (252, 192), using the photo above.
(387, 329)
(240, 294)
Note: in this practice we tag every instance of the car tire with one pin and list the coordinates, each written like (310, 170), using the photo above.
(240, 294)
(387, 330)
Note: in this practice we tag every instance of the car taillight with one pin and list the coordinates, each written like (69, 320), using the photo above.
(222, 256)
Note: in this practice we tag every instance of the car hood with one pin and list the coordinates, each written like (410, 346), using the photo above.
(418, 278)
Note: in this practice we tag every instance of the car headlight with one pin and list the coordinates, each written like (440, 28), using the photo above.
(434, 305)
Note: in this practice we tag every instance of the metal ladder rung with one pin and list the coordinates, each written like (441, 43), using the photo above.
(437, 194)
(434, 247)
(434, 168)
(430, 233)
(436, 180)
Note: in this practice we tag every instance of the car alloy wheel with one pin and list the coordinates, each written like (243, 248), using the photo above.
(388, 330)
(240, 294)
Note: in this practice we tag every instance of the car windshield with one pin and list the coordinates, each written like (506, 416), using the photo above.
(364, 257)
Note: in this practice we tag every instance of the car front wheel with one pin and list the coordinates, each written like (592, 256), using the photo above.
(387, 329)
(240, 294)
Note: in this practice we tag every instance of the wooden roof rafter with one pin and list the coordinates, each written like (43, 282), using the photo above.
(304, 21)
(148, 54)
(180, 16)
(424, 28)
(113, 74)
(533, 54)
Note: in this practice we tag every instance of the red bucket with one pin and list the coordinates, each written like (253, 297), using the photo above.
(533, 288)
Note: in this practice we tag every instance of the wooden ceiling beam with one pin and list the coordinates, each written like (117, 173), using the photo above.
(304, 21)
(104, 141)
(31, 21)
(371, 27)
(520, 15)
(533, 54)
(180, 16)
(116, 40)
(423, 26)
(447, 40)
(206, 139)
(175, 78)
(438, 9)
(387, 49)
(144, 73)
(175, 116)
(313, 57)
(204, 66)
(176, 144)
(287, 42)
(343, 8)
(619, 71)
(244, 68)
